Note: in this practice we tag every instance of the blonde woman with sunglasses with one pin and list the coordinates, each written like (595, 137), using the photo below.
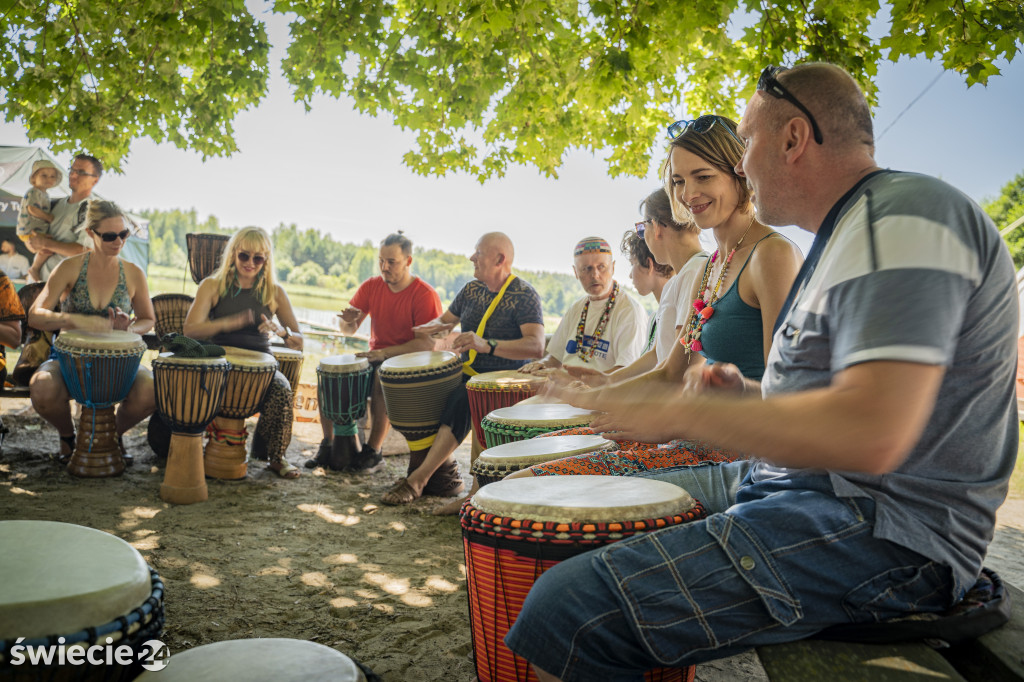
(96, 291)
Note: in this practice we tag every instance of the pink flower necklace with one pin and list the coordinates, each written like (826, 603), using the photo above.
(703, 305)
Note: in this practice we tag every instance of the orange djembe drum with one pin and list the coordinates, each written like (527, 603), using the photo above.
(248, 379)
(492, 390)
(496, 463)
(98, 369)
(189, 392)
(514, 530)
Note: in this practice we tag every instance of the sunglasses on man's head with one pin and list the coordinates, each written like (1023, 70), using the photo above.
(701, 124)
(770, 84)
(111, 236)
(258, 259)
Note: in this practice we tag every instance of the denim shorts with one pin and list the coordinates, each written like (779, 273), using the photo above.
(774, 561)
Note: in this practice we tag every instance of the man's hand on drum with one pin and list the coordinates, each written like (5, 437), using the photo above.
(434, 329)
(467, 341)
(535, 367)
(650, 416)
(373, 355)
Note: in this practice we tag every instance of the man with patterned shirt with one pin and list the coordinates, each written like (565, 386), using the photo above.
(512, 334)
(883, 443)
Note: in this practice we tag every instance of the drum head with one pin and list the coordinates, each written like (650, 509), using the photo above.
(537, 450)
(282, 353)
(239, 357)
(101, 341)
(61, 578)
(408, 362)
(259, 660)
(545, 414)
(569, 499)
(505, 379)
(172, 359)
(343, 364)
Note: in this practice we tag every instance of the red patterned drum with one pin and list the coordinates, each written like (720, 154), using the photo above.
(492, 390)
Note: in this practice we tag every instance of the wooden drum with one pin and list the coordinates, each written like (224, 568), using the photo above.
(289, 363)
(204, 252)
(259, 660)
(77, 588)
(492, 390)
(189, 392)
(518, 528)
(250, 376)
(520, 422)
(171, 311)
(98, 369)
(496, 463)
(416, 387)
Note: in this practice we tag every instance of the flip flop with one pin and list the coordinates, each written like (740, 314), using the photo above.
(284, 469)
(400, 493)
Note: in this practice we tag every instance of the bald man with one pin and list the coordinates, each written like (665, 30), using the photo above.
(883, 442)
(605, 329)
(509, 336)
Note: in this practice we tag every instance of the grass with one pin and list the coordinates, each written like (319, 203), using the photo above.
(1017, 477)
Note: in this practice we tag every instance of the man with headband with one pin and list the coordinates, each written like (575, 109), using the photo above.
(603, 330)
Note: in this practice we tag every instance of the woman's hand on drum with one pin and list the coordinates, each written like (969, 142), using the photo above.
(270, 328)
(237, 321)
(720, 376)
(119, 319)
(88, 323)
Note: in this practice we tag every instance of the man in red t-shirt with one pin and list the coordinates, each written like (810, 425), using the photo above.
(396, 301)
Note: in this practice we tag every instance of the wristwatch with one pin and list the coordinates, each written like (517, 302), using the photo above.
(493, 344)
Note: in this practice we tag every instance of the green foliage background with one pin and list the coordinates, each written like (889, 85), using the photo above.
(1004, 210)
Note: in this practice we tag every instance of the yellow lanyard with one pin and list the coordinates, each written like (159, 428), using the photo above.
(467, 369)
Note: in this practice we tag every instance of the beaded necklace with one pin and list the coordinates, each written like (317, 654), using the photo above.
(703, 305)
(601, 324)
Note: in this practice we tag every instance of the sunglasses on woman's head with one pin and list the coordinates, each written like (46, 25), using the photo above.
(258, 259)
(111, 236)
(701, 124)
(641, 227)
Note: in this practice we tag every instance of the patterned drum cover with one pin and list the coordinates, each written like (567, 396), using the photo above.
(493, 390)
(514, 530)
(416, 387)
(521, 422)
(204, 253)
(99, 367)
(496, 463)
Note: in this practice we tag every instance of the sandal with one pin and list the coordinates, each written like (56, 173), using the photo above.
(70, 442)
(284, 469)
(446, 481)
(400, 493)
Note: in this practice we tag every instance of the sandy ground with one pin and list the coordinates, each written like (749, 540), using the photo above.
(318, 558)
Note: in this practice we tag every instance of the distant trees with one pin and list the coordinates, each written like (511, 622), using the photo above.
(1006, 208)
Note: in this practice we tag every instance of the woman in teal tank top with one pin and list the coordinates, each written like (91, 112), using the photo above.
(96, 291)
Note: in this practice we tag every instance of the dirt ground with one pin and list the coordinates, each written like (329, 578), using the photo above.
(316, 558)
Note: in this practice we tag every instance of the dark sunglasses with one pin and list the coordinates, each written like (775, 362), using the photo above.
(701, 124)
(256, 260)
(641, 227)
(770, 84)
(111, 236)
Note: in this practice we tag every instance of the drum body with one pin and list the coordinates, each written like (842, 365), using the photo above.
(496, 463)
(520, 422)
(259, 660)
(248, 379)
(171, 311)
(98, 369)
(493, 390)
(79, 584)
(416, 387)
(343, 385)
(189, 392)
(518, 528)
(289, 363)
(204, 253)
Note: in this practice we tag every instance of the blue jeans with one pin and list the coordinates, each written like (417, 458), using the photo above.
(774, 561)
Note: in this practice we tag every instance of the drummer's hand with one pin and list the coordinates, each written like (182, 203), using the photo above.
(721, 376)
(239, 320)
(350, 314)
(434, 328)
(467, 341)
(649, 414)
(294, 341)
(268, 327)
(89, 323)
(373, 355)
(587, 375)
(119, 319)
(534, 367)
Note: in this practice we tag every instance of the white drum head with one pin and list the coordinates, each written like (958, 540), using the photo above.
(282, 353)
(426, 359)
(172, 359)
(545, 414)
(343, 364)
(240, 357)
(506, 378)
(259, 660)
(537, 450)
(106, 341)
(60, 578)
(582, 498)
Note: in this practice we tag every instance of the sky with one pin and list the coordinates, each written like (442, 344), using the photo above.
(341, 172)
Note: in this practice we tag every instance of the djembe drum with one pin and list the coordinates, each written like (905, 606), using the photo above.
(289, 363)
(260, 660)
(416, 387)
(189, 392)
(74, 588)
(171, 311)
(98, 369)
(520, 422)
(250, 376)
(343, 385)
(204, 253)
(493, 390)
(496, 463)
(518, 528)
